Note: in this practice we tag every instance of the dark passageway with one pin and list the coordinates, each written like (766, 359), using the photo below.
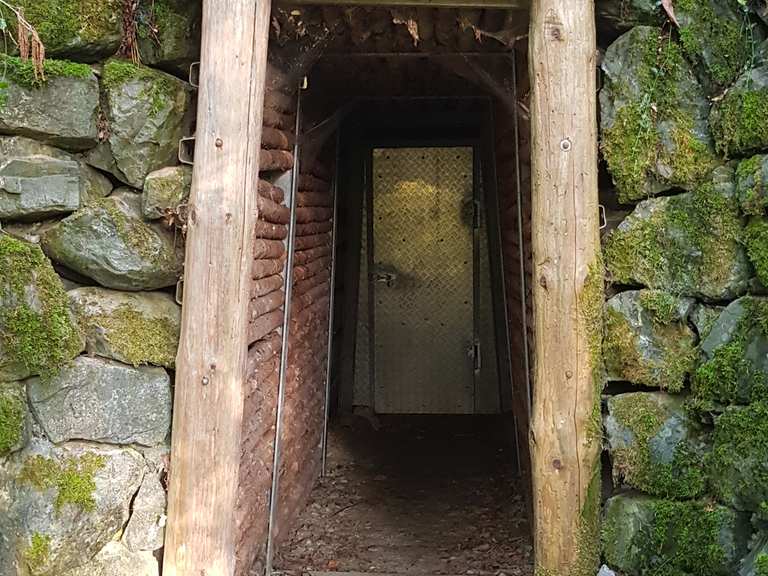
(420, 495)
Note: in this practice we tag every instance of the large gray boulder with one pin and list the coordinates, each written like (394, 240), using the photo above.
(165, 190)
(61, 110)
(37, 332)
(647, 339)
(117, 560)
(103, 401)
(714, 36)
(738, 120)
(132, 327)
(146, 528)
(148, 111)
(654, 446)
(643, 534)
(85, 30)
(173, 43)
(37, 180)
(653, 117)
(109, 242)
(739, 461)
(686, 244)
(62, 504)
(734, 356)
(752, 185)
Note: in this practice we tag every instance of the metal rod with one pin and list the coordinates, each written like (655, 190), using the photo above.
(288, 288)
(330, 314)
(521, 247)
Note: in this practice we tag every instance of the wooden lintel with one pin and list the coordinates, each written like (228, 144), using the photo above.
(208, 402)
(500, 4)
(567, 287)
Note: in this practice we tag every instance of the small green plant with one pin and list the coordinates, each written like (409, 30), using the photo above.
(72, 478)
(36, 554)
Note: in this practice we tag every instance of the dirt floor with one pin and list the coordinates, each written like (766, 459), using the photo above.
(422, 495)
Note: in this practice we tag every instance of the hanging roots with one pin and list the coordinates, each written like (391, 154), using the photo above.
(129, 47)
(28, 42)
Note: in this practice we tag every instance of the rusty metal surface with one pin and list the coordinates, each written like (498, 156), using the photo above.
(423, 280)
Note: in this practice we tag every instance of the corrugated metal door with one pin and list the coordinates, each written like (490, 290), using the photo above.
(422, 278)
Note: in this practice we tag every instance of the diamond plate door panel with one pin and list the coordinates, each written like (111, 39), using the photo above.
(423, 280)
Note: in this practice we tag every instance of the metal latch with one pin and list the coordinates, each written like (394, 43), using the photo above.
(194, 74)
(603, 217)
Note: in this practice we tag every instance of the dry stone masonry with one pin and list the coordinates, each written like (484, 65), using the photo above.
(684, 126)
(90, 253)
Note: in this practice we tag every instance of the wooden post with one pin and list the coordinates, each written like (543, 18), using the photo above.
(567, 288)
(208, 405)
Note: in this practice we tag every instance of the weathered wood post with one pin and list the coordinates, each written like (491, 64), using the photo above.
(567, 288)
(208, 405)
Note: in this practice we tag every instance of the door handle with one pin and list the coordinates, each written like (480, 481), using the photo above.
(387, 278)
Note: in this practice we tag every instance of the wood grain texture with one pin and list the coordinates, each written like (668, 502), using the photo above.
(211, 363)
(564, 447)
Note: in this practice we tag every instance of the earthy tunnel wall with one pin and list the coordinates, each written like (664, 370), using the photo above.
(92, 215)
(683, 124)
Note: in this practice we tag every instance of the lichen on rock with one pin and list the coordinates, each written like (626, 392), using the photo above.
(37, 333)
(653, 117)
(647, 340)
(147, 111)
(686, 244)
(165, 190)
(654, 446)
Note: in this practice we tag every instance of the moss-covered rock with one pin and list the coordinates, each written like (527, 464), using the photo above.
(85, 30)
(654, 446)
(13, 409)
(643, 536)
(169, 34)
(752, 185)
(109, 242)
(147, 111)
(61, 110)
(91, 183)
(734, 356)
(647, 340)
(135, 328)
(686, 244)
(64, 503)
(703, 317)
(117, 560)
(653, 117)
(165, 190)
(738, 121)
(756, 242)
(718, 36)
(37, 334)
(738, 464)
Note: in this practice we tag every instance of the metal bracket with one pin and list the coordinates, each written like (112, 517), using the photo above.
(179, 293)
(194, 74)
(603, 217)
(187, 150)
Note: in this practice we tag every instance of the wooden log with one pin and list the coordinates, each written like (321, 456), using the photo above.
(310, 228)
(265, 304)
(275, 139)
(269, 190)
(265, 348)
(266, 285)
(267, 248)
(567, 288)
(270, 230)
(264, 268)
(313, 199)
(275, 160)
(305, 256)
(271, 211)
(317, 214)
(210, 369)
(275, 119)
(264, 325)
(312, 183)
(305, 242)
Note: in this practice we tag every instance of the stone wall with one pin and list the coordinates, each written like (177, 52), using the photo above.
(91, 248)
(684, 119)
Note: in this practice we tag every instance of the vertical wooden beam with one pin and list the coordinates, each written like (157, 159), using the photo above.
(567, 287)
(208, 404)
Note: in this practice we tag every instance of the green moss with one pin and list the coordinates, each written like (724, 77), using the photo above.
(729, 376)
(751, 187)
(761, 564)
(738, 463)
(723, 46)
(591, 305)
(11, 419)
(62, 23)
(689, 242)
(661, 305)
(37, 553)
(42, 338)
(633, 145)
(158, 90)
(22, 72)
(644, 418)
(133, 232)
(756, 242)
(739, 121)
(138, 338)
(72, 478)
(622, 354)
